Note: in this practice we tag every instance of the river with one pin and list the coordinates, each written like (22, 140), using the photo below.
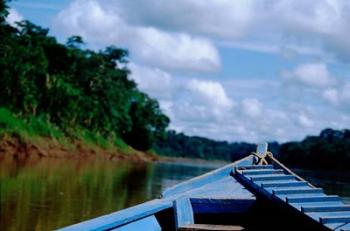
(51, 193)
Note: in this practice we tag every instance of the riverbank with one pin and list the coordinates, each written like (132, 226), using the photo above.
(42, 147)
(36, 137)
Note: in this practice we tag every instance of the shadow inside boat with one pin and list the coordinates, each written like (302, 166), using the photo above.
(260, 215)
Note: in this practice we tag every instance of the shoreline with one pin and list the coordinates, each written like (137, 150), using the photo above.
(48, 148)
(13, 146)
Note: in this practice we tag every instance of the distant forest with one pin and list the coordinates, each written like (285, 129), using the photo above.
(181, 145)
(329, 150)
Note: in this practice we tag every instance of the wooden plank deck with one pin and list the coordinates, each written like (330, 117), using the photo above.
(286, 188)
(204, 227)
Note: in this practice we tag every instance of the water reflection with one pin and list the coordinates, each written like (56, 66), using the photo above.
(47, 194)
(53, 193)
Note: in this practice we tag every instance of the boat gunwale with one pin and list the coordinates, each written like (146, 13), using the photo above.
(140, 211)
(206, 178)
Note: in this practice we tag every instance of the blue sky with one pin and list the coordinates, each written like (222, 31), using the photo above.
(230, 70)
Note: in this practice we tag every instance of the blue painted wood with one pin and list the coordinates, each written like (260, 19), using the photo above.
(122, 217)
(343, 227)
(323, 208)
(253, 172)
(271, 177)
(335, 226)
(298, 191)
(335, 219)
(316, 204)
(286, 197)
(149, 223)
(272, 189)
(289, 189)
(250, 166)
(330, 214)
(226, 187)
(217, 206)
(261, 148)
(311, 198)
(286, 183)
(183, 212)
(206, 178)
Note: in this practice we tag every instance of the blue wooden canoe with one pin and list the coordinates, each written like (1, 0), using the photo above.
(254, 193)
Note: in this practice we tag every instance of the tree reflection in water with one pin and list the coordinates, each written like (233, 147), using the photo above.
(51, 193)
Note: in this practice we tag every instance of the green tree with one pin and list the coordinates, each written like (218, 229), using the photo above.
(75, 89)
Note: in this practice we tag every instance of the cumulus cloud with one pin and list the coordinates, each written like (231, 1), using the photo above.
(252, 107)
(304, 120)
(14, 17)
(175, 50)
(331, 95)
(200, 103)
(156, 82)
(320, 21)
(338, 96)
(222, 19)
(163, 29)
(210, 92)
(171, 42)
(98, 23)
(309, 74)
(273, 21)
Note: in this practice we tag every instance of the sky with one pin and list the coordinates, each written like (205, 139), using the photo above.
(235, 70)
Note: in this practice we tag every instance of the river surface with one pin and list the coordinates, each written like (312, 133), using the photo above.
(49, 194)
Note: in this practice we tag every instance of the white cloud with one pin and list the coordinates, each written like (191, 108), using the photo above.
(252, 107)
(101, 25)
(339, 96)
(223, 19)
(210, 92)
(155, 81)
(14, 17)
(199, 107)
(305, 24)
(172, 42)
(305, 121)
(331, 95)
(320, 21)
(175, 50)
(176, 30)
(310, 74)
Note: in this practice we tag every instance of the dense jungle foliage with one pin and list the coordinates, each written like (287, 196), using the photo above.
(181, 145)
(76, 91)
(330, 150)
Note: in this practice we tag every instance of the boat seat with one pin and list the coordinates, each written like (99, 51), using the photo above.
(205, 227)
(183, 212)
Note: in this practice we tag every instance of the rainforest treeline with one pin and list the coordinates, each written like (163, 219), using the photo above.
(330, 150)
(73, 90)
